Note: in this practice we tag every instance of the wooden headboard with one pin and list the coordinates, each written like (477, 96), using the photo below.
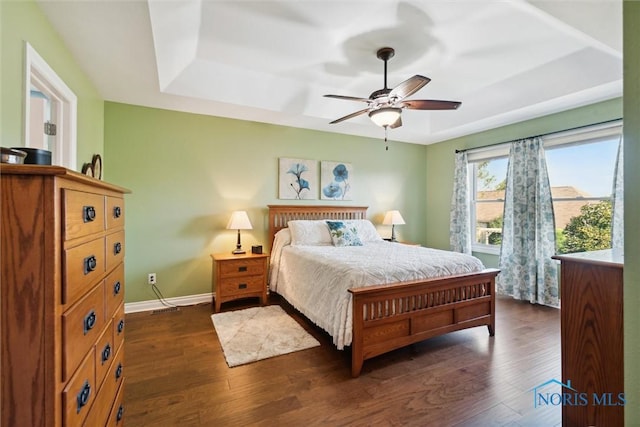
(279, 215)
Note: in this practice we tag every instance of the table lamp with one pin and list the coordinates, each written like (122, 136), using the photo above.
(392, 218)
(239, 221)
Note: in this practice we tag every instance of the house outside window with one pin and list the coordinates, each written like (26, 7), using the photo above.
(581, 171)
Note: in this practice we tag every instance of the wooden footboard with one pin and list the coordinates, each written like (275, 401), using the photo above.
(387, 317)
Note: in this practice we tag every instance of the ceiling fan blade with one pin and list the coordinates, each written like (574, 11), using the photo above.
(408, 87)
(429, 104)
(397, 123)
(348, 98)
(349, 116)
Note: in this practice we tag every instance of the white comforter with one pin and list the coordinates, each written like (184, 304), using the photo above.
(315, 279)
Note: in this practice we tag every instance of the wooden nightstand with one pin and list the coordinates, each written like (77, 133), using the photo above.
(239, 276)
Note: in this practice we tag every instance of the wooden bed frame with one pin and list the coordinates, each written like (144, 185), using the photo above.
(390, 316)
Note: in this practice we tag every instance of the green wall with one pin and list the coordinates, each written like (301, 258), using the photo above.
(632, 211)
(23, 21)
(187, 172)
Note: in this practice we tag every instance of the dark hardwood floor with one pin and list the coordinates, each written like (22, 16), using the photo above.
(176, 375)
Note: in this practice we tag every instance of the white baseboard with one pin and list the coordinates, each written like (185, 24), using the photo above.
(134, 307)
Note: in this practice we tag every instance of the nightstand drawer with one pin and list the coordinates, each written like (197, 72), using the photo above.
(242, 267)
(240, 285)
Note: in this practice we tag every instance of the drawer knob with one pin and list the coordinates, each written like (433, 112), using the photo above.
(120, 413)
(117, 212)
(116, 288)
(106, 353)
(121, 326)
(90, 264)
(88, 213)
(83, 396)
(89, 321)
(117, 248)
(118, 371)
(243, 268)
(242, 286)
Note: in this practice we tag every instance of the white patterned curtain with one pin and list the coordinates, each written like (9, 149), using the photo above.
(617, 202)
(528, 234)
(460, 226)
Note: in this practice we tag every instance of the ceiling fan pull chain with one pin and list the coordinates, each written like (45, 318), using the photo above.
(385, 138)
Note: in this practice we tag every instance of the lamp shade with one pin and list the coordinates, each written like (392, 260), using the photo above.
(392, 218)
(239, 221)
(385, 116)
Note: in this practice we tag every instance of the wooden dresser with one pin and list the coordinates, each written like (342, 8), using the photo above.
(592, 337)
(62, 298)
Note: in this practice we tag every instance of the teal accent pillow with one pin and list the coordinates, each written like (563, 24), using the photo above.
(341, 235)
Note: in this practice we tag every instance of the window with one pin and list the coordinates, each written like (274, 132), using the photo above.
(581, 171)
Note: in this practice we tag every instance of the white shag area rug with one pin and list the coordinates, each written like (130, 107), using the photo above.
(259, 333)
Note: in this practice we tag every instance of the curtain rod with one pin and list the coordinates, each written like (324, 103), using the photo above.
(543, 134)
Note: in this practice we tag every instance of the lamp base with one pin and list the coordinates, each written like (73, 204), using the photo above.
(238, 252)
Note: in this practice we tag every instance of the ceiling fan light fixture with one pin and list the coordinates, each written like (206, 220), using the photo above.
(385, 116)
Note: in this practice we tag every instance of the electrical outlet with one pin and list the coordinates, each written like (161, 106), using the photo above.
(151, 278)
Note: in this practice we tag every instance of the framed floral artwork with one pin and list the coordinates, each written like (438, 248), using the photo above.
(336, 181)
(298, 179)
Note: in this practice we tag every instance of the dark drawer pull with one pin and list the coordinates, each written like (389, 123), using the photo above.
(118, 371)
(88, 213)
(117, 248)
(117, 212)
(120, 413)
(106, 353)
(242, 286)
(90, 264)
(243, 268)
(116, 288)
(121, 326)
(89, 321)
(83, 396)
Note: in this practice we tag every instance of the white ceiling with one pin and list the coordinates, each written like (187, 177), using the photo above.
(271, 61)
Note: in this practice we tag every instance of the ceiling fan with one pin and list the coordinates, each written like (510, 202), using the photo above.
(385, 106)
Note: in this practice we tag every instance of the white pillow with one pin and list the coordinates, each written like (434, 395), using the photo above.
(365, 229)
(306, 232)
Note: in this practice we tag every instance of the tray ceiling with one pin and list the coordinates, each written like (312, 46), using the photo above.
(271, 61)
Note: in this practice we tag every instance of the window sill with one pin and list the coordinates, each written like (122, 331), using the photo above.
(486, 249)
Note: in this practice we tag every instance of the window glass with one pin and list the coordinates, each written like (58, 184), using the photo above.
(488, 197)
(581, 178)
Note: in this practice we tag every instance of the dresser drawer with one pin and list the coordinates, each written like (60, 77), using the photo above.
(83, 213)
(114, 249)
(107, 395)
(116, 417)
(118, 327)
(241, 285)
(83, 266)
(105, 353)
(114, 290)
(242, 267)
(80, 392)
(82, 325)
(114, 213)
